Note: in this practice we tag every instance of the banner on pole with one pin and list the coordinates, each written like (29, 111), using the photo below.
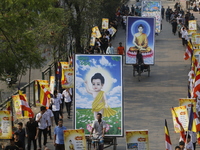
(182, 114)
(105, 23)
(68, 78)
(137, 140)
(75, 139)
(5, 125)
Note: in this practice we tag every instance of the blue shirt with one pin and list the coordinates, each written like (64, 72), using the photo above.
(58, 131)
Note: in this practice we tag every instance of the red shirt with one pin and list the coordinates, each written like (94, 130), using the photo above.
(120, 50)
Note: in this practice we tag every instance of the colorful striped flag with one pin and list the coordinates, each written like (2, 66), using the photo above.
(8, 106)
(191, 118)
(168, 143)
(25, 106)
(182, 134)
(196, 89)
(45, 95)
(188, 51)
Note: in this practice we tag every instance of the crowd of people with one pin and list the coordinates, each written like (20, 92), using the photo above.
(179, 20)
(103, 45)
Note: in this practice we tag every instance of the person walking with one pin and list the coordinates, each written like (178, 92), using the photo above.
(58, 136)
(67, 94)
(50, 121)
(56, 106)
(21, 132)
(32, 133)
(42, 120)
(120, 49)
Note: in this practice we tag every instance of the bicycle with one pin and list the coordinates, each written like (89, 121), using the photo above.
(96, 143)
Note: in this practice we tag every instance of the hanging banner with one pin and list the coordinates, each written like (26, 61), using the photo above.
(137, 140)
(5, 125)
(17, 102)
(42, 92)
(196, 40)
(75, 139)
(52, 84)
(92, 39)
(140, 35)
(182, 115)
(192, 25)
(105, 23)
(152, 9)
(68, 81)
(114, 31)
(107, 98)
(196, 54)
(187, 102)
(96, 31)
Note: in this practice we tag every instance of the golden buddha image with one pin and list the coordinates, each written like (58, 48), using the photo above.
(140, 41)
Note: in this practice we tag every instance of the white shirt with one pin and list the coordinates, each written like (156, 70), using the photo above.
(98, 128)
(42, 124)
(110, 50)
(66, 95)
(189, 146)
(56, 103)
(110, 30)
(49, 114)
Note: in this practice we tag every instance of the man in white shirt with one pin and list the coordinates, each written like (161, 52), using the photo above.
(189, 144)
(99, 128)
(67, 94)
(42, 120)
(50, 121)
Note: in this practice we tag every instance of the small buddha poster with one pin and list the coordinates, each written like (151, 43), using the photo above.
(5, 125)
(68, 78)
(140, 38)
(105, 23)
(137, 140)
(98, 89)
(75, 139)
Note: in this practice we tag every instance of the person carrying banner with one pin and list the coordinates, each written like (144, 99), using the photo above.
(98, 130)
(67, 95)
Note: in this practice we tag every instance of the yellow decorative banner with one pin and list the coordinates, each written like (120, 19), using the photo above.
(187, 102)
(92, 39)
(17, 107)
(52, 84)
(40, 92)
(192, 25)
(105, 23)
(5, 125)
(68, 80)
(137, 139)
(96, 31)
(195, 39)
(75, 139)
(114, 31)
(182, 114)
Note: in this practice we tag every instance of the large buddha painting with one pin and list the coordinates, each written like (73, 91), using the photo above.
(140, 36)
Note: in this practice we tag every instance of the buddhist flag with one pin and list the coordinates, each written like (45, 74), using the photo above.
(191, 118)
(45, 95)
(188, 51)
(196, 90)
(182, 134)
(25, 106)
(168, 143)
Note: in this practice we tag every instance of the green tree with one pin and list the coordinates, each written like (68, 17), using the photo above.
(22, 33)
